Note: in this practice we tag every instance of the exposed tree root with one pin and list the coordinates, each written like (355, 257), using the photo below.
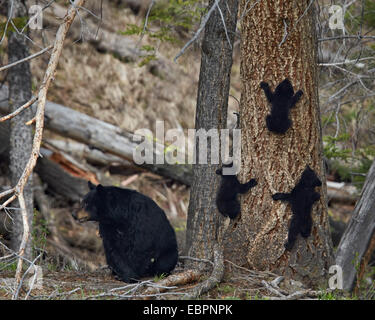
(181, 278)
(215, 277)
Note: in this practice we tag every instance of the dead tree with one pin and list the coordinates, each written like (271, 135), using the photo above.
(358, 235)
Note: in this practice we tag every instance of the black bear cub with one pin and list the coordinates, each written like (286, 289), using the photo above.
(281, 100)
(301, 199)
(137, 236)
(226, 199)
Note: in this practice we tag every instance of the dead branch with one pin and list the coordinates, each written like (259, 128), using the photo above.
(26, 59)
(19, 110)
(272, 289)
(200, 29)
(25, 237)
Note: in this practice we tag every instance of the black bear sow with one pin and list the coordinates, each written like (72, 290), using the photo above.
(226, 198)
(281, 101)
(301, 199)
(137, 236)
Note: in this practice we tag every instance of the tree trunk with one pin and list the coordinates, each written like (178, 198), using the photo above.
(19, 79)
(278, 160)
(357, 237)
(204, 222)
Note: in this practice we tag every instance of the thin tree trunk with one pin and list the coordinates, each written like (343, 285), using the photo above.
(19, 79)
(204, 222)
(277, 161)
(357, 237)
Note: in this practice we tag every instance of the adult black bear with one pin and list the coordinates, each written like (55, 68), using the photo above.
(301, 199)
(137, 236)
(226, 199)
(281, 100)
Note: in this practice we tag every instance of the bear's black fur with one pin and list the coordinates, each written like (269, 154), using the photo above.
(226, 199)
(281, 100)
(137, 236)
(301, 199)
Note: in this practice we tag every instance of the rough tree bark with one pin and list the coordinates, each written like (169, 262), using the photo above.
(204, 223)
(358, 235)
(257, 239)
(19, 79)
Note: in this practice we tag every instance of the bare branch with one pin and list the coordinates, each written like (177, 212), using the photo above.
(18, 111)
(11, 199)
(36, 15)
(285, 33)
(305, 12)
(25, 236)
(26, 59)
(224, 25)
(201, 27)
(355, 61)
(5, 193)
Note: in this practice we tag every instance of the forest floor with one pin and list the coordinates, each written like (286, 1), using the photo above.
(131, 97)
(101, 285)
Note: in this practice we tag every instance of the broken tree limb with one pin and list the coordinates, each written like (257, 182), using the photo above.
(59, 179)
(357, 237)
(101, 135)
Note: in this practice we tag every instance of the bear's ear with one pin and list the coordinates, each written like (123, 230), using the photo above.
(99, 188)
(91, 185)
(219, 171)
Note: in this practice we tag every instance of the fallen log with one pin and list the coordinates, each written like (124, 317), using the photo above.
(100, 135)
(63, 174)
(83, 151)
(341, 192)
(60, 179)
